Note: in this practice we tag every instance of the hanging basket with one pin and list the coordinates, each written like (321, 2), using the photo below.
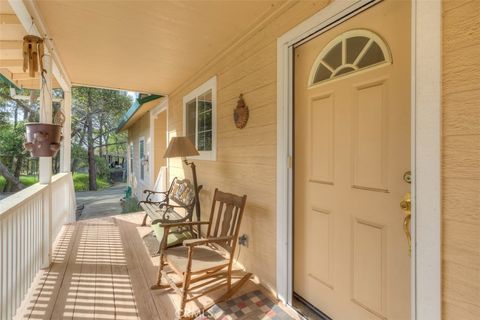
(43, 139)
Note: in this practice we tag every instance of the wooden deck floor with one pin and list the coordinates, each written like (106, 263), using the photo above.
(102, 270)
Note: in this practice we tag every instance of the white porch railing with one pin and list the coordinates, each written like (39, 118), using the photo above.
(30, 221)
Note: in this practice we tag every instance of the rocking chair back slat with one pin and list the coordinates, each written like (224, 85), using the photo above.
(235, 218)
(213, 216)
(227, 218)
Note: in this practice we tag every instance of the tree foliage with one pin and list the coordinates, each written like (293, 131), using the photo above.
(95, 116)
(13, 115)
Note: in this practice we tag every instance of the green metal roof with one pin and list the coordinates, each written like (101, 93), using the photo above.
(134, 108)
(7, 81)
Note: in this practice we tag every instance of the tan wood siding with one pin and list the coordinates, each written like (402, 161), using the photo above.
(160, 131)
(246, 159)
(461, 160)
(141, 128)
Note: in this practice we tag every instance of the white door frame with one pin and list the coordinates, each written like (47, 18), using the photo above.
(161, 107)
(426, 147)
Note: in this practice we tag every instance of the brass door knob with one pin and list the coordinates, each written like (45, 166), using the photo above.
(406, 205)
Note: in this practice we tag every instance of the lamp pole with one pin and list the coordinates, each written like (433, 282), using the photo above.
(195, 186)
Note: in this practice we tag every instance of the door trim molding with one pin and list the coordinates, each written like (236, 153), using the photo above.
(426, 147)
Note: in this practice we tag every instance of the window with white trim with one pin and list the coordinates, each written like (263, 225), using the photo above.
(350, 52)
(141, 154)
(199, 110)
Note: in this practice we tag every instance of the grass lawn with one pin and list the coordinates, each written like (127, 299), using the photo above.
(26, 180)
(80, 182)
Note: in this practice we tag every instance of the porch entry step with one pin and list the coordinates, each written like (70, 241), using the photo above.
(307, 310)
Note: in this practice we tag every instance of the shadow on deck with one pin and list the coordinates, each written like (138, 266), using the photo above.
(102, 270)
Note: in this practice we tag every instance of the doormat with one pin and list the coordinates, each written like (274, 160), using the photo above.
(151, 243)
(253, 305)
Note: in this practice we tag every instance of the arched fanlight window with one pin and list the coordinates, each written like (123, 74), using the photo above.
(350, 52)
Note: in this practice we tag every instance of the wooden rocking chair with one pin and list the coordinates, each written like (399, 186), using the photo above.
(209, 257)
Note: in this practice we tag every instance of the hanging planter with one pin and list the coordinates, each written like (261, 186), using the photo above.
(42, 139)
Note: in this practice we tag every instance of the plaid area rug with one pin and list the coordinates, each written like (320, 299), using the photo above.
(253, 305)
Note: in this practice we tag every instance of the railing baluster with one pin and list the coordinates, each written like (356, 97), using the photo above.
(9, 266)
(14, 262)
(22, 250)
(23, 224)
(3, 264)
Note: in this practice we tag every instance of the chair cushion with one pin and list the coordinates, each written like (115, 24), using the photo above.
(204, 258)
(175, 237)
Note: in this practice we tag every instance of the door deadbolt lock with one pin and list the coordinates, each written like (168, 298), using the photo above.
(407, 176)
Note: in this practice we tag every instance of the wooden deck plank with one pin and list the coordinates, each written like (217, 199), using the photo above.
(146, 305)
(48, 293)
(83, 282)
(102, 270)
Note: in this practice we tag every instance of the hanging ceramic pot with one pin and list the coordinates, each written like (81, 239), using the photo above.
(43, 139)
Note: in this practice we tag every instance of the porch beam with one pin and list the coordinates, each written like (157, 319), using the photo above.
(65, 151)
(11, 63)
(9, 19)
(24, 76)
(11, 45)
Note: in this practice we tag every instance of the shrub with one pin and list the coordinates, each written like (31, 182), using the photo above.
(27, 181)
(103, 170)
(130, 205)
(80, 182)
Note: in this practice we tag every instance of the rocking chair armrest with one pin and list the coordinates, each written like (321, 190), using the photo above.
(199, 242)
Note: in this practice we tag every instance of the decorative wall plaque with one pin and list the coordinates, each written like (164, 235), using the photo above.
(241, 113)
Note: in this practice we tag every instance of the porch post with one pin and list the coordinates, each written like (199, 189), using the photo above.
(45, 163)
(65, 151)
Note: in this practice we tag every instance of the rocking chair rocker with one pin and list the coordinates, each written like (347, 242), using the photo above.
(205, 258)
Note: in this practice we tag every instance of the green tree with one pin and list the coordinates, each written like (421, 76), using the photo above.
(13, 114)
(11, 149)
(96, 113)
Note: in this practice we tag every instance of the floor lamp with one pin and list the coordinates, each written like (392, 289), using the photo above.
(182, 147)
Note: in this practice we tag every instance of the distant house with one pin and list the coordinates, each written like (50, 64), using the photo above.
(144, 146)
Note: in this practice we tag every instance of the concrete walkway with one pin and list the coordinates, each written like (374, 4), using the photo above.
(101, 203)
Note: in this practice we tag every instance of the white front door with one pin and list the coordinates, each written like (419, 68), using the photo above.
(351, 151)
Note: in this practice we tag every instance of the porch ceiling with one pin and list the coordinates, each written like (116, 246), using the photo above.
(11, 56)
(146, 46)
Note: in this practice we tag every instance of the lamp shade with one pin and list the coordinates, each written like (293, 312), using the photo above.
(180, 147)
